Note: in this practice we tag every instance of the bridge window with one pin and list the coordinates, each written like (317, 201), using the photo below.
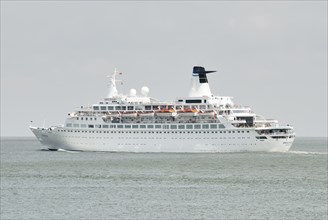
(103, 108)
(193, 101)
(95, 108)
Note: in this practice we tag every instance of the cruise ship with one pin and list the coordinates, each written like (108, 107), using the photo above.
(198, 123)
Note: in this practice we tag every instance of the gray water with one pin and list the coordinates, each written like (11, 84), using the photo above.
(40, 184)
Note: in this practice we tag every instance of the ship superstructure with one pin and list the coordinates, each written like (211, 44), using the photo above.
(200, 122)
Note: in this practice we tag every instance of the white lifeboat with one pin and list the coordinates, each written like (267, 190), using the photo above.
(188, 112)
(210, 113)
(129, 114)
(166, 113)
(147, 114)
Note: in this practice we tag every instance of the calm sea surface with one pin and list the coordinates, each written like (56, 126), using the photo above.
(39, 184)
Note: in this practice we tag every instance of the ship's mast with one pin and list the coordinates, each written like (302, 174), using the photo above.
(112, 90)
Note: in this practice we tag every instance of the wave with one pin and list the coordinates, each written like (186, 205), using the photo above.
(306, 152)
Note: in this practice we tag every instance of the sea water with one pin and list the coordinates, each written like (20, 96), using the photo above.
(41, 184)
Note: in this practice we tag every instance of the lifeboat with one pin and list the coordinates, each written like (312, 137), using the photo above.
(129, 114)
(210, 113)
(147, 114)
(188, 112)
(166, 113)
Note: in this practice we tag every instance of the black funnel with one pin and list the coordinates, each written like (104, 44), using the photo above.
(200, 71)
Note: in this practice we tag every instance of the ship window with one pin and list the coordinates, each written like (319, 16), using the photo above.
(110, 107)
(127, 126)
(130, 107)
(180, 100)
(105, 126)
(221, 126)
(95, 107)
(98, 126)
(123, 107)
(117, 107)
(166, 126)
(173, 126)
(119, 126)
(189, 126)
(155, 107)
(134, 126)
(103, 107)
(76, 125)
(90, 126)
(213, 126)
(202, 106)
(112, 126)
(197, 126)
(205, 126)
(150, 126)
(147, 107)
(90, 118)
(68, 125)
(193, 101)
(158, 126)
(181, 127)
(142, 126)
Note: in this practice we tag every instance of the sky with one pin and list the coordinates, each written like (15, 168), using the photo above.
(271, 56)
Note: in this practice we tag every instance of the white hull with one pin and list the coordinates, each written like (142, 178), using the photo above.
(159, 142)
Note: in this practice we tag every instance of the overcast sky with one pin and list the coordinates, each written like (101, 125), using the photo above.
(271, 56)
